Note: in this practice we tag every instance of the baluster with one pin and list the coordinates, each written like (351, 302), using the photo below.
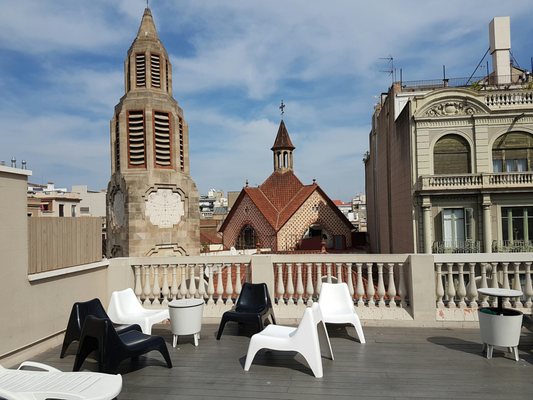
(381, 286)
(238, 284)
(220, 285)
(529, 286)
(147, 290)
(210, 284)
(229, 285)
(349, 279)
(484, 284)
(391, 287)
(201, 283)
(328, 272)
(183, 282)
(290, 285)
(506, 302)
(299, 284)
(461, 288)
(192, 282)
(339, 272)
(156, 290)
(174, 287)
(281, 287)
(370, 291)
(439, 286)
(318, 279)
(516, 284)
(309, 287)
(472, 287)
(138, 282)
(450, 290)
(360, 289)
(402, 289)
(494, 283)
(165, 289)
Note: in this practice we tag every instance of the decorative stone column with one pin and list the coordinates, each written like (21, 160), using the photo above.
(487, 228)
(426, 218)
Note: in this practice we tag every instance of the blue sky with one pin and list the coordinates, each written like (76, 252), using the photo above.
(61, 74)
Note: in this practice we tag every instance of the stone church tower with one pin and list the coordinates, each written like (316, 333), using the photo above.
(152, 202)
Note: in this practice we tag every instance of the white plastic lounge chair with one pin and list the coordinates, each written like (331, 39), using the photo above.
(304, 339)
(124, 308)
(23, 384)
(337, 307)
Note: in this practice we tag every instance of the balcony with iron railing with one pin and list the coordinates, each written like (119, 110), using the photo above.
(457, 246)
(512, 246)
(475, 182)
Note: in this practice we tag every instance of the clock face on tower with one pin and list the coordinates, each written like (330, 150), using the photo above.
(117, 210)
(164, 208)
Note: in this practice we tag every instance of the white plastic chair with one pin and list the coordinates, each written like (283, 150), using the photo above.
(304, 339)
(51, 383)
(124, 308)
(337, 307)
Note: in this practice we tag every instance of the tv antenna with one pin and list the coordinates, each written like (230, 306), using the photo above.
(390, 70)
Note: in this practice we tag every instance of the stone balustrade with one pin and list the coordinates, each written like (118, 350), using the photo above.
(423, 288)
(458, 278)
(512, 98)
(476, 181)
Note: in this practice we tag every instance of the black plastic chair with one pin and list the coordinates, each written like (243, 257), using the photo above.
(253, 307)
(79, 312)
(98, 334)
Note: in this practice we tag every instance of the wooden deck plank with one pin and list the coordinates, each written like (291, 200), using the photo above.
(395, 363)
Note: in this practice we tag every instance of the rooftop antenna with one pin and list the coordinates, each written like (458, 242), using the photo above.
(391, 70)
(282, 108)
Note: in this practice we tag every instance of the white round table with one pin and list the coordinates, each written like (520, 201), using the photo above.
(500, 326)
(185, 318)
(500, 293)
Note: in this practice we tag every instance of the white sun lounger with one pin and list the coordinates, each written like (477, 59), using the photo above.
(24, 384)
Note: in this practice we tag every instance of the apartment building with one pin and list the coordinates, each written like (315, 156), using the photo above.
(450, 163)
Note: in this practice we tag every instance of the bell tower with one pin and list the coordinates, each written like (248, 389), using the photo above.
(152, 201)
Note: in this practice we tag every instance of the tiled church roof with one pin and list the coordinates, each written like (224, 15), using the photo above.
(278, 198)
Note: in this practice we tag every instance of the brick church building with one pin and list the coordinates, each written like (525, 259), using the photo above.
(283, 214)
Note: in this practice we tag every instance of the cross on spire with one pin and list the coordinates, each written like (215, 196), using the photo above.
(282, 108)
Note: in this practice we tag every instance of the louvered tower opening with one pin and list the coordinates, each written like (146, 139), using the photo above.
(166, 76)
(155, 70)
(136, 139)
(162, 139)
(182, 153)
(140, 70)
(117, 144)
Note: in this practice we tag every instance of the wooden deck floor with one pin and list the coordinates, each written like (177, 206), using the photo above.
(395, 363)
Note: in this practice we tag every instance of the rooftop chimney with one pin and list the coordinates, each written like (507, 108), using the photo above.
(500, 44)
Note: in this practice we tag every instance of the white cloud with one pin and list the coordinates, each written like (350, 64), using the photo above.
(233, 61)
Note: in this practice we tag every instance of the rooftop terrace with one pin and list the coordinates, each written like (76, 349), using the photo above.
(395, 363)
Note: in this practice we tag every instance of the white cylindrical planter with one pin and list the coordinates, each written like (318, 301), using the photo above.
(500, 327)
(186, 318)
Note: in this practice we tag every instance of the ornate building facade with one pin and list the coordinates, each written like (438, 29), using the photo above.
(283, 214)
(450, 166)
(152, 201)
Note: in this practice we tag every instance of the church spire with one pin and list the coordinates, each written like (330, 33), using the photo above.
(147, 29)
(282, 149)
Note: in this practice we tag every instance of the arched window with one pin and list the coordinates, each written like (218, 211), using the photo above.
(247, 238)
(451, 155)
(513, 152)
